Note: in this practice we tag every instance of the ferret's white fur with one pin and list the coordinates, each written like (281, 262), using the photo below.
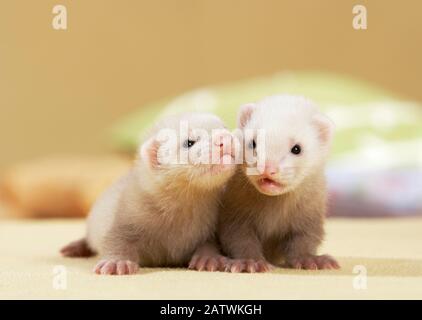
(286, 121)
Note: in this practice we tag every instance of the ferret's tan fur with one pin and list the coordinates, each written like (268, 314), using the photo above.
(259, 230)
(254, 226)
(159, 216)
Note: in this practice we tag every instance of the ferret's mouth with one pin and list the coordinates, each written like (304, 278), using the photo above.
(270, 186)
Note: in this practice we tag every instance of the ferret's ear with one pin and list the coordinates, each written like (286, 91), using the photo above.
(325, 127)
(149, 152)
(245, 114)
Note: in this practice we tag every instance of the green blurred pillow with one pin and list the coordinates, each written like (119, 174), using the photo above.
(372, 125)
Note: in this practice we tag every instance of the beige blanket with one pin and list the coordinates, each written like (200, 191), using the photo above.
(386, 255)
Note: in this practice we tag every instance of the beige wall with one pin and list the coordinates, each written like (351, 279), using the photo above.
(60, 90)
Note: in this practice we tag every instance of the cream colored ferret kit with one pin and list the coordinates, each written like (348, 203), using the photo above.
(201, 197)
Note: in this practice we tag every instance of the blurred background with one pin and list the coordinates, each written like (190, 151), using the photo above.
(62, 90)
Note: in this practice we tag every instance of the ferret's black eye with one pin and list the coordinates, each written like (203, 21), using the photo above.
(252, 144)
(188, 143)
(296, 149)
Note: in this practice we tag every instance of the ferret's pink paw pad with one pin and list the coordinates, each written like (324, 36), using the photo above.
(314, 263)
(207, 263)
(116, 267)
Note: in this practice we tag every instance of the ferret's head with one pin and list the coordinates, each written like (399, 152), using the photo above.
(192, 150)
(290, 139)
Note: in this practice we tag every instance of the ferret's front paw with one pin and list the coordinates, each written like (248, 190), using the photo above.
(119, 267)
(248, 265)
(208, 263)
(314, 263)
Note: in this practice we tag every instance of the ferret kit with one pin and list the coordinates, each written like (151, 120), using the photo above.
(164, 211)
(273, 212)
(201, 197)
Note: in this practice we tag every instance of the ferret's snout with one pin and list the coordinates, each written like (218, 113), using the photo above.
(270, 169)
(224, 141)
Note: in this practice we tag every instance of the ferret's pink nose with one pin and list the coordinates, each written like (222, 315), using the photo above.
(222, 139)
(223, 142)
(270, 169)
